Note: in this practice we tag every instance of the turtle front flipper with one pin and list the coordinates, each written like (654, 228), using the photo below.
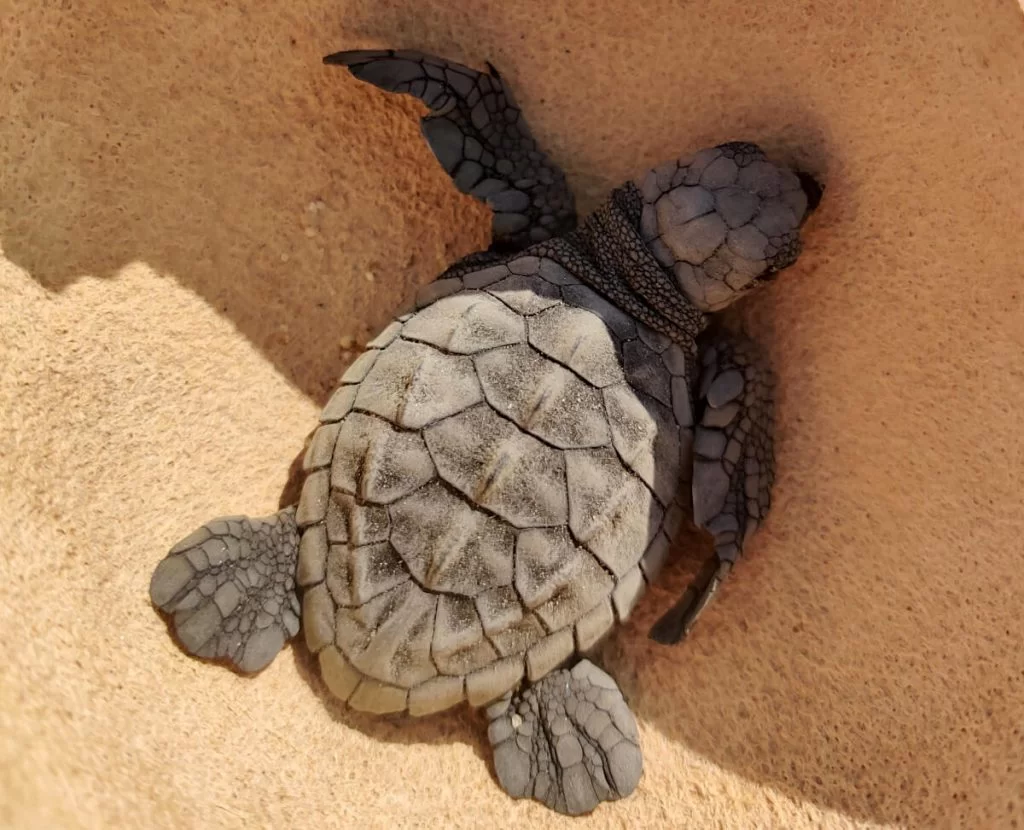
(480, 137)
(569, 741)
(733, 468)
(230, 588)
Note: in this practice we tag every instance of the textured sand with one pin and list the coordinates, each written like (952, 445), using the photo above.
(196, 217)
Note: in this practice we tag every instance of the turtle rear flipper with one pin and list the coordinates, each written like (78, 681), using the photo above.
(230, 588)
(568, 741)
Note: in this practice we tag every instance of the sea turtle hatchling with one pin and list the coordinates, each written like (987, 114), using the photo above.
(506, 466)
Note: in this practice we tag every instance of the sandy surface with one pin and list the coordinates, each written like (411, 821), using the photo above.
(196, 218)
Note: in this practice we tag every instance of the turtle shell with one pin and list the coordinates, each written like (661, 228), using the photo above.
(489, 489)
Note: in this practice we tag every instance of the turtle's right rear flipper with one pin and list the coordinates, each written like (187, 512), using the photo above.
(230, 588)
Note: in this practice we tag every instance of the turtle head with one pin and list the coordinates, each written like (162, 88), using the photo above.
(725, 220)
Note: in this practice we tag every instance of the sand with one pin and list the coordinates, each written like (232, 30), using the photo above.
(199, 223)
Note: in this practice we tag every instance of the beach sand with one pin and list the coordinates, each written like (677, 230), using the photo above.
(200, 223)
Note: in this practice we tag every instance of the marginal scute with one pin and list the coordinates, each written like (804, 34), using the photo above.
(485, 276)
(317, 617)
(313, 499)
(626, 594)
(436, 695)
(386, 336)
(321, 448)
(312, 556)
(434, 291)
(656, 556)
(549, 654)
(594, 625)
(555, 273)
(500, 467)
(378, 698)
(491, 682)
(524, 265)
(359, 367)
(339, 405)
(337, 673)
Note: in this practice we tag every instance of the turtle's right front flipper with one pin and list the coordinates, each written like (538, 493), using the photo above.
(480, 137)
(230, 588)
(733, 471)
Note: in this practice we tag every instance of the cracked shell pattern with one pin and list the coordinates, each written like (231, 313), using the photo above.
(485, 486)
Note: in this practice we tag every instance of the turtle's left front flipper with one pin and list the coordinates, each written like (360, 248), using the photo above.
(733, 467)
(480, 137)
(230, 589)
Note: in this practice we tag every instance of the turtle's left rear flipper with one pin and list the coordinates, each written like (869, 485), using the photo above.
(480, 137)
(230, 588)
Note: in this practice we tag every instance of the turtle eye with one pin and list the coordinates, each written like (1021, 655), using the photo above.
(813, 190)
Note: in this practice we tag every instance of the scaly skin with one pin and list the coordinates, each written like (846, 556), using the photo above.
(681, 242)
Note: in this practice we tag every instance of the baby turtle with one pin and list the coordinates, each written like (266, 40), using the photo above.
(505, 468)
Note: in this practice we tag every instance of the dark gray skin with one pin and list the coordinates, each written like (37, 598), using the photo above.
(669, 250)
(532, 203)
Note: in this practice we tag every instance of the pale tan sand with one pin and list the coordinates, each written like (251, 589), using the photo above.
(196, 215)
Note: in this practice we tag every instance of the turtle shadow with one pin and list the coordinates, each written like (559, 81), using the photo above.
(459, 725)
(254, 189)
